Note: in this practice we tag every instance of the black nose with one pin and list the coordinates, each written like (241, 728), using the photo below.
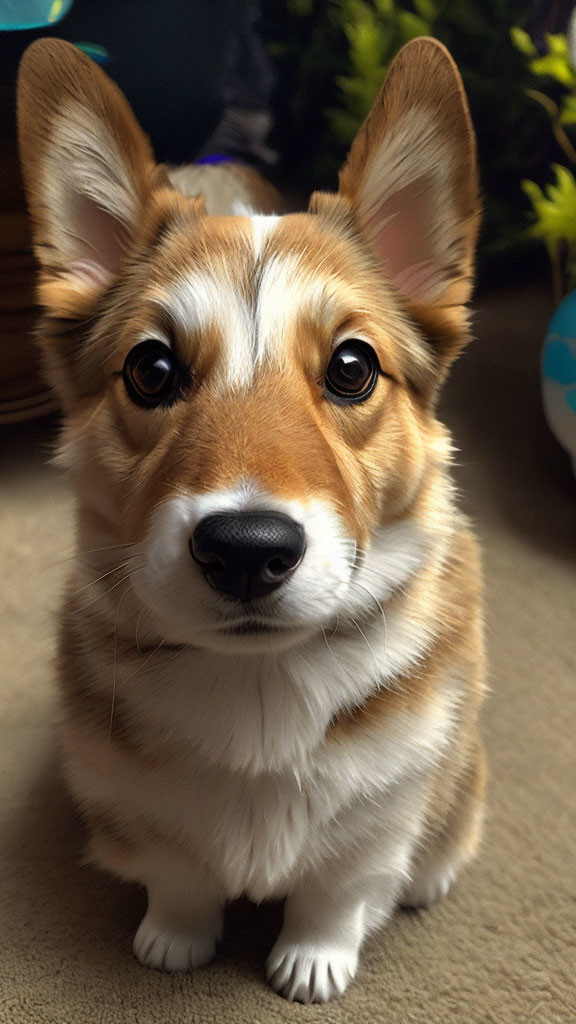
(247, 554)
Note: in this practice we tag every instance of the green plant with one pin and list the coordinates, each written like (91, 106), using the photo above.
(554, 205)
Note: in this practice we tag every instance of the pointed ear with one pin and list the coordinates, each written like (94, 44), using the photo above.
(88, 168)
(412, 179)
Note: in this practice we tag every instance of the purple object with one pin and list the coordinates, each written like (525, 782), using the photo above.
(217, 158)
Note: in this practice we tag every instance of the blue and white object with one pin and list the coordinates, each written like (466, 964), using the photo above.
(559, 375)
(19, 14)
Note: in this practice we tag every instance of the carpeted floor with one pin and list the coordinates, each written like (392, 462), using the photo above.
(502, 947)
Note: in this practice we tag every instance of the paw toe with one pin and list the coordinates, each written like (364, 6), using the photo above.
(308, 975)
(429, 886)
(171, 950)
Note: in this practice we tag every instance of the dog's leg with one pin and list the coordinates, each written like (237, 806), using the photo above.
(333, 907)
(436, 868)
(183, 921)
(316, 954)
(325, 922)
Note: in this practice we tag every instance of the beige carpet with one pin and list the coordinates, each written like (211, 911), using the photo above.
(502, 947)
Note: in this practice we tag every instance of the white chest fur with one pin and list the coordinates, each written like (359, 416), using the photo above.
(254, 789)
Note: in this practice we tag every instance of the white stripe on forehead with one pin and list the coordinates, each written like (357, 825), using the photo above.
(262, 227)
(203, 300)
(252, 331)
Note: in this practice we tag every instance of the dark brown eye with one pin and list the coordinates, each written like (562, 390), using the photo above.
(352, 372)
(152, 374)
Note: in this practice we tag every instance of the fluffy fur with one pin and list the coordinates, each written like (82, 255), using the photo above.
(332, 758)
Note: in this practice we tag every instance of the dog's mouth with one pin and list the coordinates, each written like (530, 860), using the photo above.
(253, 627)
(251, 635)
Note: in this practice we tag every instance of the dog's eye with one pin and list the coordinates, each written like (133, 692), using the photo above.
(352, 372)
(152, 374)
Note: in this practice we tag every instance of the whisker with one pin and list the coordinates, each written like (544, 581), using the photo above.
(335, 630)
(80, 554)
(121, 565)
(106, 592)
(115, 666)
(111, 547)
(328, 645)
(363, 634)
(140, 667)
(379, 606)
(145, 612)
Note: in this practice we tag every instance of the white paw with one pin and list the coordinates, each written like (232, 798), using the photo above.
(171, 949)
(430, 883)
(310, 974)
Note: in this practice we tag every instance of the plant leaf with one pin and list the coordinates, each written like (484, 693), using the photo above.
(557, 44)
(568, 110)
(554, 65)
(522, 42)
(554, 207)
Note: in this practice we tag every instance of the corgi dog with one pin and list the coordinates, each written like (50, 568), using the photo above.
(271, 655)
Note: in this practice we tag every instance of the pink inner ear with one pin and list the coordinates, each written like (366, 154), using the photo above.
(402, 232)
(99, 241)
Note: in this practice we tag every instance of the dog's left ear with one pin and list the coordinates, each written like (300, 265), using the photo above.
(411, 177)
(88, 167)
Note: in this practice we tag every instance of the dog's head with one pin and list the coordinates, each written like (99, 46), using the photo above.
(249, 400)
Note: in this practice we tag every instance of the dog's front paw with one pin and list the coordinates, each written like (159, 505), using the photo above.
(171, 949)
(431, 883)
(305, 973)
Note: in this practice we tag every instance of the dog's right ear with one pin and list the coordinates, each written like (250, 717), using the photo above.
(88, 170)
